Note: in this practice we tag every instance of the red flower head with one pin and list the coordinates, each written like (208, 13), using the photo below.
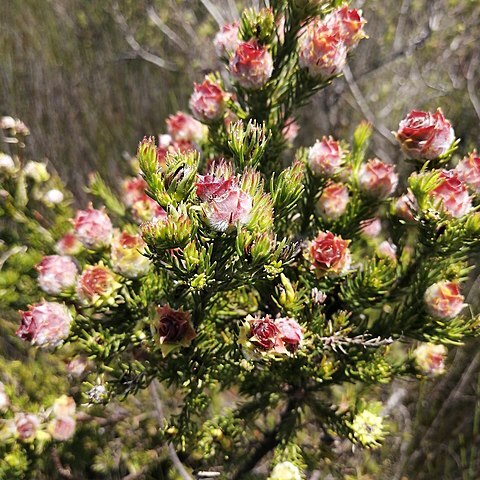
(322, 51)
(68, 245)
(453, 194)
(325, 157)
(264, 333)
(444, 300)
(349, 23)
(45, 324)
(93, 227)
(127, 255)
(172, 328)
(330, 254)
(133, 190)
(468, 171)
(377, 178)
(96, 284)
(425, 135)
(207, 102)
(252, 65)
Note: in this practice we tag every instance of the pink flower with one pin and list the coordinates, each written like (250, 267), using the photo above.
(26, 425)
(97, 284)
(45, 324)
(468, 171)
(371, 227)
(406, 206)
(226, 203)
(333, 202)
(349, 23)
(387, 249)
(77, 366)
(207, 102)
(444, 300)
(425, 135)
(133, 190)
(264, 333)
(183, 127)
(68, 245)
(252, 65)
(322, 51)
(172, 328)
(377, 178)
(127, 255)
(62, 428)
(56, 274)
(325, 157)
(93, 227)
(226, 40)
(290, 333)
(430, 358)
(64, 406)
(329, 253)
(452, 194)
(290, 131)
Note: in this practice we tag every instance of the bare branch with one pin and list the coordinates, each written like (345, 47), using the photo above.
(156, 20)
(214, 12)
(475, 101)
(137, 49)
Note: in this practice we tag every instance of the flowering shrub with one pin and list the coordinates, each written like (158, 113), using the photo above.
(256, 283)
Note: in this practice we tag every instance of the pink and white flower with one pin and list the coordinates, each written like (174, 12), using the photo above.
(322, 51)
(425, 135)
(326, 157)
(56, 274)
(468, 171)
(226, 40)
(349, 23)
(45, 324)
(93, 227)
(207, 102)
(62, 428)
(333, 202)
(97, 285)
(68, 245)
(127, 255)
(26, 425)
(252, 65)
(444, 300)
(452, 194)
(183, 127)
(377, 178)
(430, 358)
(329, 254)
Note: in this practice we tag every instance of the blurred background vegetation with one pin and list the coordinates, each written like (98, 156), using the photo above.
(90, 79)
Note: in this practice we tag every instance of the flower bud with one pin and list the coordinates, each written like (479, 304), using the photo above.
(329, 254)
(207, 102)
(26, 425)
(62, 428)
(371, 228)
(146, 209)
(182, 126)
(68, 245)
(133, 190)
(226, 40)
(56, 274)
(368, 428)
(322, 53)
(174, 231)
(258, 24)
(7, 122)
(444, 300)
(36, 171)
(93, 227)
(97, 285)
(172, 329)
(425, 135)
(333, 202)
(77, 366)
(325, 157)
(406, 206)
(7, 165)
(285, 471)
(53, 196)
(45, 324)
(452, 194)
(430, 358)
(252, 65)
(468, 171)
(291, 333)
(127, 255)
(377, 179)
(388, 250)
